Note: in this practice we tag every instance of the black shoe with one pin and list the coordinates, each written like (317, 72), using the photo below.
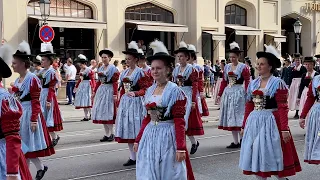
(296, 116)
(111, 138)
(68, 104)
(130, 162)
(85, 119)
(55, 141)
(104, 139)
(234, 146)
(41, 173)
(194, 148)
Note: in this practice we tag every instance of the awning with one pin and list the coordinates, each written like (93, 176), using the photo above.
(245, 30)
(156, 26)
(73, 22)
(216, 36)
(278, 38)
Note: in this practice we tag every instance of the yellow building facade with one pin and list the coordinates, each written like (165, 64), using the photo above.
(87, 26)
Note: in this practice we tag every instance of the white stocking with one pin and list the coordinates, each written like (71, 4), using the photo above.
(132, 153)
(108, 128)
(235, 135)
(37, 163)
(192, 139)
(85, 113)
(53, 135)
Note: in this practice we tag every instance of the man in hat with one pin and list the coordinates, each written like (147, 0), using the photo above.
(285, 72)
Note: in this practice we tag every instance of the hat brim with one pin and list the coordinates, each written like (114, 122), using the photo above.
(5, 69)
(135, 54)
(235, 51)
(105, 51)
(165, 57)
(276, 61)
(317, 56)
(181, 51)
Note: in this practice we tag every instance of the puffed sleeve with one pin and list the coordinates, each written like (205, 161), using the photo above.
(144, 83)
(35, 102)
(145, 122)
(246, 76)
(309, 102)
(248, 109)
(10, 125)
(281, 97)
(52, 84)
(194, 79)
(200, 82)
(178, 112)
(115, 79)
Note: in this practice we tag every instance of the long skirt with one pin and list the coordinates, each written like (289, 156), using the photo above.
(293, 94)
(265, 147)
(312, 142)
(261, 144)
(38, 143)
(303, 99)
(83, 95)
(232, 108)
(157, 154)
(193, 116)
(130, 114)
(24, 173)
(205, 109)
(216, 91)
(104, 107)
(53, 115)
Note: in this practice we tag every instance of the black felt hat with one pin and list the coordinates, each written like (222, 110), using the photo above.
(106, 51)
(37, 59)
(309, 59)
(141, 54)
(235, 48)
(183, 47)
(5, 61)
(271, 54)
(160, 52)
(297, 55)
(132, 49)
(23, 52)
(82, 59)
(317, 56)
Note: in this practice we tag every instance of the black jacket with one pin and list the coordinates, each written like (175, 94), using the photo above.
(297, 74)
(305, 83)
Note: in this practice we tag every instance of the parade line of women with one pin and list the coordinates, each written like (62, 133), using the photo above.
(157, 108)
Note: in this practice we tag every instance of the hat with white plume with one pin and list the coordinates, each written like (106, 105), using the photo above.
(82, 58)
(107, 52)
(160, 52)
(24, 51)
(5, 60)
(193, 51)
(142, 56)
(183, 47)
(37, 60)
(271, 54)
(132, 49)
(235, 48)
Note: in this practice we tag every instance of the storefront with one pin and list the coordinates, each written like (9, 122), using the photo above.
(86, 26)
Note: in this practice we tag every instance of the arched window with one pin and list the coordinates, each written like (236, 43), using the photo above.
(235, 14)
(63, 8)
(149, 12)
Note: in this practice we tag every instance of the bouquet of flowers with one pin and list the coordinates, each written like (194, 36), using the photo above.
(257, 93)
(232, 78)
(258, 99)
(100, 74)
(126, 80)
(231, 73)
(155, 112)
(126, 84)
(180, 80)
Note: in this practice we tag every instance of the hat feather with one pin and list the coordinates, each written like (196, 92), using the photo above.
(191, 47)
(140, 51)
(234, 45)
(158, 46)
(271, 49)
(183, 45)
(133, 45)
(6, 52)
(38, 58)
(24, 47)
(81, 56)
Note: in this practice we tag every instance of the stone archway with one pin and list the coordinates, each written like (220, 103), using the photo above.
(306, 47)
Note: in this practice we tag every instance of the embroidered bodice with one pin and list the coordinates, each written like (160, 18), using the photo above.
(183, 81)
(262, 101)
(159, 111)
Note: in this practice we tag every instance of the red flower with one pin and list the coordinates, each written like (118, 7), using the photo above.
(180, 77)
(126, 80)
(100, 73)
(257, 93)
(231, 73)
(318, 88)
(307, 77)
(151, 106)
(14, 89)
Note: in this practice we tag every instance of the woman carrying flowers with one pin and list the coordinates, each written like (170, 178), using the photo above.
(233, 94)
(309, 63)
(161, 143)
(130, 113)
(267, 146)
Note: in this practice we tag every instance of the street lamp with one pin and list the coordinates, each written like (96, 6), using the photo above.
(45, 10)
(297, 26)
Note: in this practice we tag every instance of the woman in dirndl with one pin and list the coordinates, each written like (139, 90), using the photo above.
(311, 112)
(105, 95)
(202, 104)
(13, 165)
(161, 141)
(33, 129)
(130, 113)
(233, 95)
(48, 98)
(295, 79)
(267, 146)
(309, 63)
(84, 88)
(218, 83)
(186, 77)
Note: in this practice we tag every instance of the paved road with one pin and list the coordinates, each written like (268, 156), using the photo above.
(80, 155)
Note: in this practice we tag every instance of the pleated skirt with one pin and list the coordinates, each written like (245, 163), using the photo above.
(83, 95)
